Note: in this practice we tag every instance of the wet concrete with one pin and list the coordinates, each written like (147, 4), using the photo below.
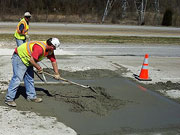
(119, 105)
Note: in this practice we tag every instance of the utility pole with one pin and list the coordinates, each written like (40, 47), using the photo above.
(156, 3)
(124, 7)
(157, 16)
(141, 8)
(109, 5)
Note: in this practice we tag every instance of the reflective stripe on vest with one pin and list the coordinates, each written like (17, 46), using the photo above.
(42, 44)
(30, 45)
(26, 28)
(25, 51)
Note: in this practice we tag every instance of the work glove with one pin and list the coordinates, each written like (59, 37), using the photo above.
(57, 76)
(27, 37)
(40, 71)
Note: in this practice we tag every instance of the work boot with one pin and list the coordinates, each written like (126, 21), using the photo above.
(36, 100)
(10, 103)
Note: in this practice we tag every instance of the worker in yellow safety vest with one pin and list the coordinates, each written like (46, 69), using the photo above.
(25, 57)
(21, 33)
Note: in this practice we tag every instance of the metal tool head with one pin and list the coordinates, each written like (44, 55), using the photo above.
(92, 89)
(44, 78)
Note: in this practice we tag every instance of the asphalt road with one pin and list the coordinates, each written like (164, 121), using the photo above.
(122, 50)
(93, 29)
(111, 50)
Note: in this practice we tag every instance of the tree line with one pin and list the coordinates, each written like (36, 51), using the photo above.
(81, 10)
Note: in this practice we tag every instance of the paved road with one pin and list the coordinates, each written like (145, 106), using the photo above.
(122, 50)
(93, 29)
(112, 50)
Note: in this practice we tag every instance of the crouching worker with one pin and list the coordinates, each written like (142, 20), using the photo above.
(25, 57)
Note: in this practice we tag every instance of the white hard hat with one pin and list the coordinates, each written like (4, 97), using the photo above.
(27, 14)
(55, 42)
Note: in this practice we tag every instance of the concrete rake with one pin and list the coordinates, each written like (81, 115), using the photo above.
(71, 82)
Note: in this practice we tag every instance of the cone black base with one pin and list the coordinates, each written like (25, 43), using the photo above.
(140, 79)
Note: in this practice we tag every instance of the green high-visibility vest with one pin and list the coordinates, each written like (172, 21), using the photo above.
(26, 28)
(25, 50)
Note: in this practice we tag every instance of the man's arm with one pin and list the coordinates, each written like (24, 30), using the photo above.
(34, 63)
(55, 67)
(37, 52)
(21, 30)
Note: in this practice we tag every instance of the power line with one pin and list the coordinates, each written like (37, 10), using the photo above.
(140, 6)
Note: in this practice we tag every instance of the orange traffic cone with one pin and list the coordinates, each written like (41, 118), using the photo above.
(144, 71)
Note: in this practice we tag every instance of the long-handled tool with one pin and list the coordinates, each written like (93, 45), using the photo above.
(39, 77)
(44, 77)
(43, 80)
(71, 82)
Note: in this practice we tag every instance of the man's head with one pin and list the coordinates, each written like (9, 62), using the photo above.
(53, 42)
(27, 15)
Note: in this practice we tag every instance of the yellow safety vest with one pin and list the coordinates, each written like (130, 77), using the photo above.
(26, 27)
(25, 51)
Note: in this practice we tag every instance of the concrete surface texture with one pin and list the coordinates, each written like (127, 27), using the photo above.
(15, 122)
(109, 69)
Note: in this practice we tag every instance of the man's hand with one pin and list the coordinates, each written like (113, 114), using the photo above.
(40, 71)
(57, 76)
(27, 37)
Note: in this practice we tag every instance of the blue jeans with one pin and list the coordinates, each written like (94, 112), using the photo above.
(19, 42)
(20, 72)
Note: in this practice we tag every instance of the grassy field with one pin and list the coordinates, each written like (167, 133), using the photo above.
(101, 39)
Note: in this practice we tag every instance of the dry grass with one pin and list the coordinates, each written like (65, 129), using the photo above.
(102, 39)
